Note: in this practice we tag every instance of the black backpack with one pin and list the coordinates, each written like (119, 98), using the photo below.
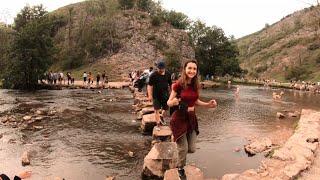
(183, 107)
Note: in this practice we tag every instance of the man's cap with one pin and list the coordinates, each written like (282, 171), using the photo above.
(161, 65)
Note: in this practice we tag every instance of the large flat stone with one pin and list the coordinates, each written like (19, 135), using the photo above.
(193, 173)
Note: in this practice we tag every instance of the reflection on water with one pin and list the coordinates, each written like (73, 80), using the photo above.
(89, 144)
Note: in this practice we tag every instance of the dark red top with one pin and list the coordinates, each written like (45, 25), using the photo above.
(188, 95)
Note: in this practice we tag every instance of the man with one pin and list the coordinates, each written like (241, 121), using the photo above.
(158, 92)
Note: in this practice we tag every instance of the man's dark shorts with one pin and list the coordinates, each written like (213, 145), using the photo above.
(160, 103)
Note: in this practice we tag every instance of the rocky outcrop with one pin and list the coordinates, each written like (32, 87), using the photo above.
(294, 157)
(143, 44)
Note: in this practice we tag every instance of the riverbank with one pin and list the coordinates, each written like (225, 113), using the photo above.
(297, 154)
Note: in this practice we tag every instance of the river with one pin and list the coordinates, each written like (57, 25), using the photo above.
(80, 144)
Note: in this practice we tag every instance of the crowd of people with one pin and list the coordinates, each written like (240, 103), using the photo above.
(58, 78)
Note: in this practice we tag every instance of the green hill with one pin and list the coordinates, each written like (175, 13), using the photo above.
(288, 49)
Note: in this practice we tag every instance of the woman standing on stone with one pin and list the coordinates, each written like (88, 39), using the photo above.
(184, 124)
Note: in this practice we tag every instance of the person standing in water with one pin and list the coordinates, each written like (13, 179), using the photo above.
(184, 125)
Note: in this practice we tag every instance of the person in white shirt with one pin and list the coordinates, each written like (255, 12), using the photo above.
(84, 78)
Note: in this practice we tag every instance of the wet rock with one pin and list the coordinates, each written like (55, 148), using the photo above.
(52, 112)
(130, 154)
(39, 112)
(229, 177)
(39, 118)
(280, 115)
(163, 156)
(90, 108)
(236, 149)
(27, 118)
(191, 173)
(257, 145)
(25, 159)
(37, 127)
(290, 114)
(147, 110)
(110, 178)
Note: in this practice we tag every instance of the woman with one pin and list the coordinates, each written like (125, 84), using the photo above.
(184, 125)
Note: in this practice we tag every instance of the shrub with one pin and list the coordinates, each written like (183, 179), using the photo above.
(155, 21)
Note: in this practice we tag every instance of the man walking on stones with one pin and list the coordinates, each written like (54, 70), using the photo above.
(158, 92)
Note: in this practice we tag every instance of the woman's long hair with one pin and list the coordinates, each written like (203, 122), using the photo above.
(194, 81)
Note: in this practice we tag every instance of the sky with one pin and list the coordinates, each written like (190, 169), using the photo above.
(235, 17)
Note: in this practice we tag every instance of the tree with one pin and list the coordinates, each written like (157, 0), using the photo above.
(173, 61)
(217, 54)
(31, 50)
(5, 39)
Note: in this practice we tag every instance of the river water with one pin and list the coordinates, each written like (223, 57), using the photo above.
(80, 144)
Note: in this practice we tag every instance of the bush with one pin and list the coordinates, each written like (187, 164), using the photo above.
(262, 68)
(155, 21)
(297, 73)
(126, 4)
(313, 47)
(152, 38)
(176, 19)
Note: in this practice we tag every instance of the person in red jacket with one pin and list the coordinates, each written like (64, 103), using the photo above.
(184, 123)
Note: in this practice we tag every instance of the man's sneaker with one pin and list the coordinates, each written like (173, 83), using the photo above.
(182, 174)
(157, 127)
(162, 121)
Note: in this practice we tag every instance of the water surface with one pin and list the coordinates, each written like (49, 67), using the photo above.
(79, 144)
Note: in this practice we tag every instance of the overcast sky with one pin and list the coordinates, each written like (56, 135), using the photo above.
(235, 17)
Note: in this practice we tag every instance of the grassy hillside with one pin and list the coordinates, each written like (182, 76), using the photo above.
(288, 49)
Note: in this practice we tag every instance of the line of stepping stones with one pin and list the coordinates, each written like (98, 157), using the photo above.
(161, 161)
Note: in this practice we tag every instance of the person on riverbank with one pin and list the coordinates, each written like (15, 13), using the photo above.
(19, 176)
(184, 124)
(84, 77)
(158, 92)
(98, 79)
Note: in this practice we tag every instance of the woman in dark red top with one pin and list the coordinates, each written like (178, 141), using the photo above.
(184, 125)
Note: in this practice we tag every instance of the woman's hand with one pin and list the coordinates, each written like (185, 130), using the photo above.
(212, 103)
(175, 101)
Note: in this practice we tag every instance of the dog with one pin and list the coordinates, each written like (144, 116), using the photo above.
(276, 96)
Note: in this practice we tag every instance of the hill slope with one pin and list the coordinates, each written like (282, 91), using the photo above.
(131, 42)
(287, 49)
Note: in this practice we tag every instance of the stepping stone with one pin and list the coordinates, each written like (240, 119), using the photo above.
(162, 157)
(164, 134)
(193, 173)
(147, 110)
(147, 123)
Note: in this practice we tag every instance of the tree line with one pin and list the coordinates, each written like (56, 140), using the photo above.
(35, 42)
